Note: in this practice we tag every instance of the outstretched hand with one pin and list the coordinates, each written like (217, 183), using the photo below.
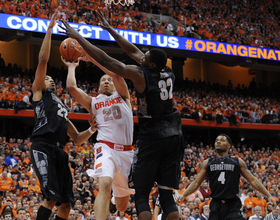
(271, 199)
(93, 124)
(85, 57)
(68, 30)
(103, 22)
(54, 18)
(69, 64)
(180, 199)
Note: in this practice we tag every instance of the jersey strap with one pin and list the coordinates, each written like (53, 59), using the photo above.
(117, 147)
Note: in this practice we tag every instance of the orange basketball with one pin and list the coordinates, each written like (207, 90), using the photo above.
(68, 51)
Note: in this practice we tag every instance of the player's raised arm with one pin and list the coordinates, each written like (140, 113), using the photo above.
(43, 58)
(119, 82)
(129, 48)
(71, 85)
(131, 72)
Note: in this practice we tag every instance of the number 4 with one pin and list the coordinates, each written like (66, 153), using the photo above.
(222, 178)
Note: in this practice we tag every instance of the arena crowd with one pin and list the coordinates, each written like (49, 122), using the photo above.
(248, 22)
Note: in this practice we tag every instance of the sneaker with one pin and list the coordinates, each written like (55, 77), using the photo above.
(112, 208)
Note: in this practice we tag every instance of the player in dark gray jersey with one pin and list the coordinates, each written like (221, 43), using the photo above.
(160, 145)
(52, 126)
(224, 172)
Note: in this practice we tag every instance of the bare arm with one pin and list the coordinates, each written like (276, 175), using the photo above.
(43, 58)
(254, 181)
(196, 183)
(129, 48)
(71, 85)
(80, 137)
(119, 81)
(132, 72)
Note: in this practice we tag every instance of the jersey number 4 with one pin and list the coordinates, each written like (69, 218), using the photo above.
(222, 178)
(163, 85)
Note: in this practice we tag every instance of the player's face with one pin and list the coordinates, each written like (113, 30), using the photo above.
(221, 144)
(106, 85)
(50, 83)
(145, 61)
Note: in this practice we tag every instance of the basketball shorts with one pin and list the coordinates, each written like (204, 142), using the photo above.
(114, 164)
(52, 169)
(225, 209)
(158, 161)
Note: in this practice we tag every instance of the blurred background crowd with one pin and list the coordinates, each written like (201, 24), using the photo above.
(224, 21)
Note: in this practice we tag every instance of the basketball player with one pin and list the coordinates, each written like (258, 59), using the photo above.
(113, 152)
(224, 172)
(49, 160)
(160, 146)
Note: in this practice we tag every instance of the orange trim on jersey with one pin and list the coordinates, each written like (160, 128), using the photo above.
(98, 165)
(117, 147)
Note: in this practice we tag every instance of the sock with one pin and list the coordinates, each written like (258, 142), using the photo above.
(43, 213)
(113, 200)
(58, 218)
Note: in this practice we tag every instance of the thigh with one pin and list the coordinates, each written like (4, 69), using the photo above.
(104, 165)
(44, 160)
(171, 154)
(147, 164)
(234, 210)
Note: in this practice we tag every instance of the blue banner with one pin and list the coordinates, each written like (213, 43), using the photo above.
(143, 38)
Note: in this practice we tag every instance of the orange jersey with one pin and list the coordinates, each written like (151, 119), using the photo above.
(6, 184)
(23, 185)
(36, 188)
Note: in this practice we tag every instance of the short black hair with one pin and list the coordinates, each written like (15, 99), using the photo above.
(227, 137)
(158, 57)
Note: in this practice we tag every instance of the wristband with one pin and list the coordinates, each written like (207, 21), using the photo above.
(90, 130)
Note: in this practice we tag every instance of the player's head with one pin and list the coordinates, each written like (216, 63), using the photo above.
(222, 143)
(50, 83)
(154, 58)
(106, 85)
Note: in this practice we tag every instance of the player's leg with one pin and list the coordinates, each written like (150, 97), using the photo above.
(63, 211)
(101, 203)
(173, 150)
(168, 204)
(121, 191)
(144, 175)
(121, 203)
(45, 209)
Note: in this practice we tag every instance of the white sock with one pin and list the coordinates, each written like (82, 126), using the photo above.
(113, 200)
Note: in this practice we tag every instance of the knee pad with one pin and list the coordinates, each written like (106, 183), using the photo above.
(142, 203)
(167, 201)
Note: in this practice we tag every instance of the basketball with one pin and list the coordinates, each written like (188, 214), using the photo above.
(68, 51)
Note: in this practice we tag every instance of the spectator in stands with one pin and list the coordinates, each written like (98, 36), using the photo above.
(260, 203)
(205, 190)
(11, 159)
(8, 215)
(258, 214)
(21, 214)
(6, 183)
(274, 215)
(186, 214)
(205, 214)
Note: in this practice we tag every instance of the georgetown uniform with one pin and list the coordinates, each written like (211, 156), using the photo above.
(113, 152)
(49, 137)
(160, 146)
(224, 174)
